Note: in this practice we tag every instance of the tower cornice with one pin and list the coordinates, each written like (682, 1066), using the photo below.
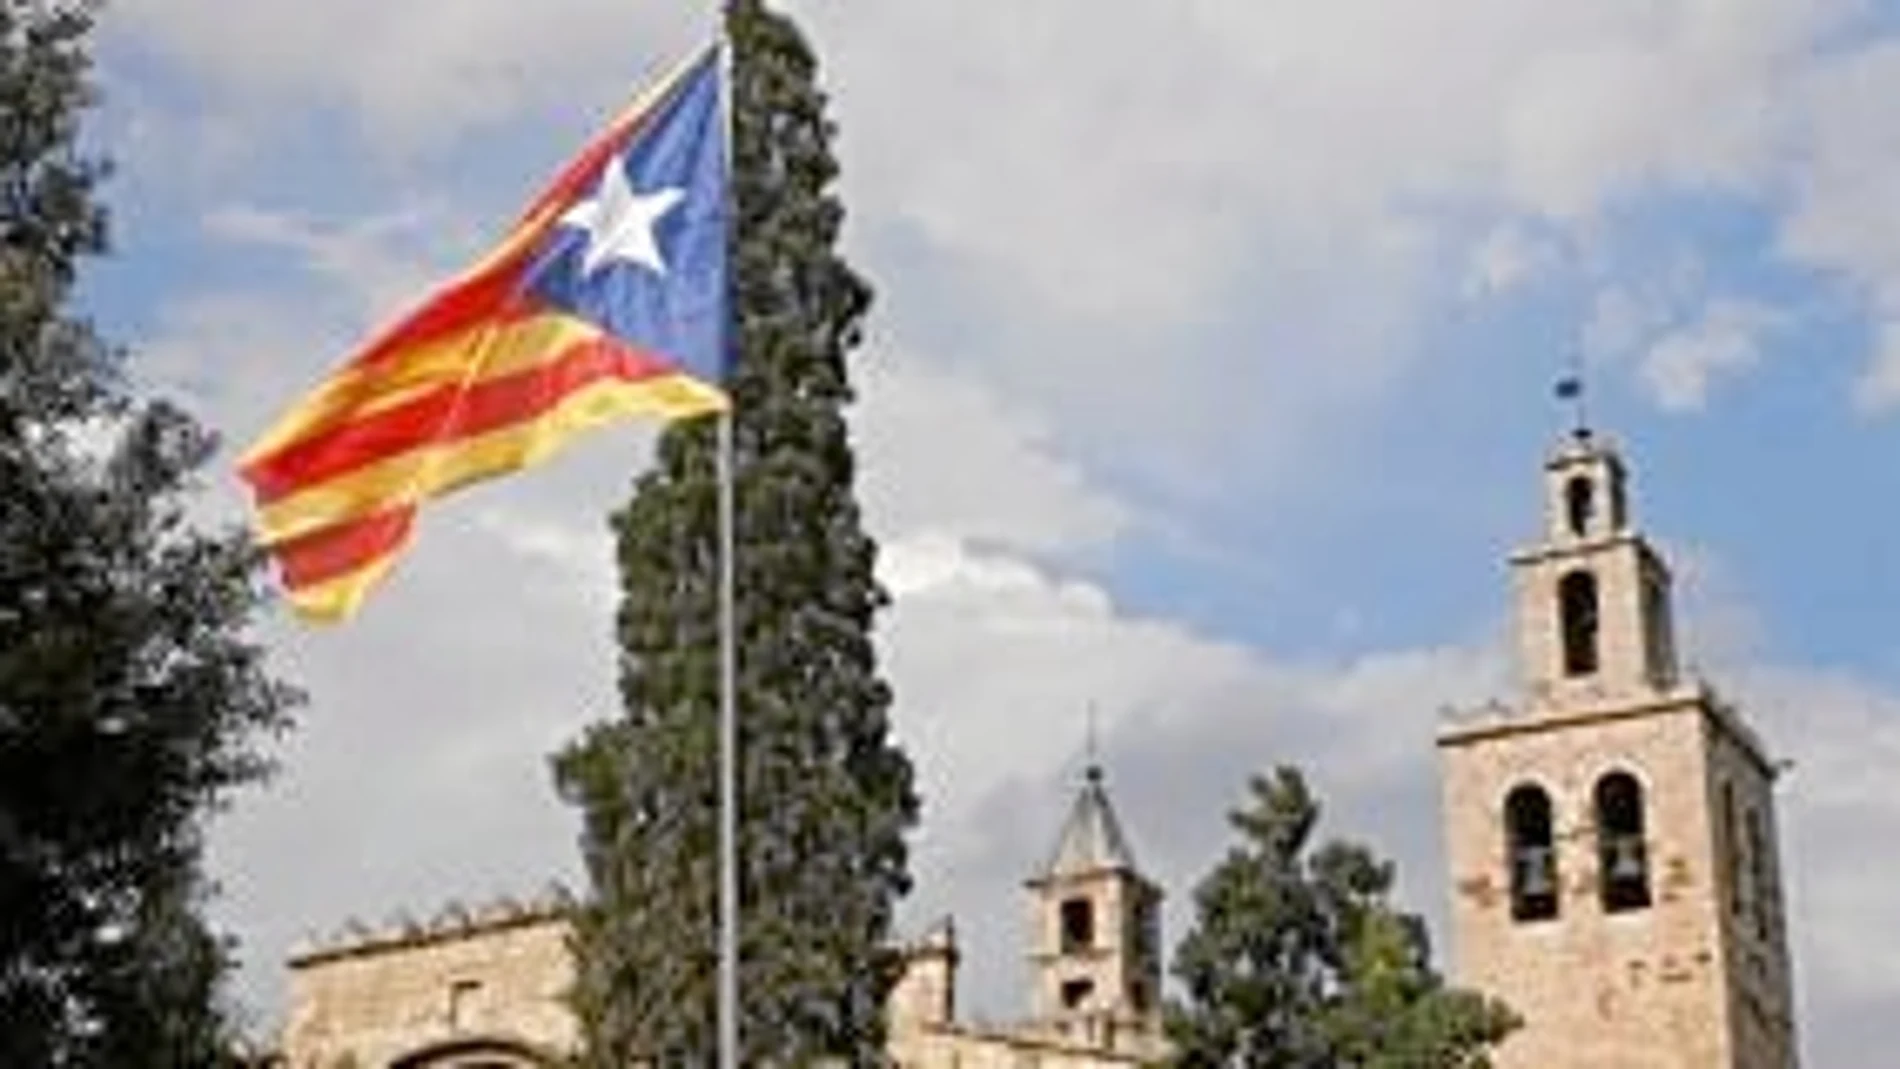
(1497, 720)
(1541, 552)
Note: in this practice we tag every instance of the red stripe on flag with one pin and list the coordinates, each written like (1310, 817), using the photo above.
(335, 551)
(447, 415)
(492, 294)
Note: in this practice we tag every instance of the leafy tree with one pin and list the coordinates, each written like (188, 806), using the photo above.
(826, 797)
(1299, 960)
(131, 701)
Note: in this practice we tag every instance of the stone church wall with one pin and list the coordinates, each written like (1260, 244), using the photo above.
(466, 989)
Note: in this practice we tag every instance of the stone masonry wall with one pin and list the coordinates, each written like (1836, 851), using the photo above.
(373, 1005)
(1638, 990)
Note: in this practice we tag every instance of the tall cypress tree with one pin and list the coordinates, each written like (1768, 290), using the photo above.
(131, 700)
(826, 796)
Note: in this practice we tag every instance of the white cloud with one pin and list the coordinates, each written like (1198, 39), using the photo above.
(942, 451)
(413, 75)
(1843, 737)
(1679, 95)
(1678, 337)
(1209, 127)
(1718, 626)
(1725, 341)
(572, 552)
(379, 263)
(1104, 184)
(1017, 717)
(1110, 184)
(1507, 258)
(1620, 318)
(1845, 188)
(1878, 388)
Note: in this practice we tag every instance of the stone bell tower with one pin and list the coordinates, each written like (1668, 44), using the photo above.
(1095, 956)
(1611, 838)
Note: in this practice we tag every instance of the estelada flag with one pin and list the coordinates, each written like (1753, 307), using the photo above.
(608, 299)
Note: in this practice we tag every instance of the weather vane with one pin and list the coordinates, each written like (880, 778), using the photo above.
(1570, 388)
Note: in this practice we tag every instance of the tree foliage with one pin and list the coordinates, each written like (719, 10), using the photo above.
(1298, 959)
(131, 701)
(826, 797)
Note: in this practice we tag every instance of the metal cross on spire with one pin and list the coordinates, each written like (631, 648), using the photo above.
(1093, 768)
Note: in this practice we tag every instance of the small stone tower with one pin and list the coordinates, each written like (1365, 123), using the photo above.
(1612, 843)
(1095, 955)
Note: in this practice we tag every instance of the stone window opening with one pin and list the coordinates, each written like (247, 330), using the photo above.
(1579, 504)
(1577, 614)
(1078, 925)
(462, 996)
(1076, 992)
(1622, 855)
(1531, 854)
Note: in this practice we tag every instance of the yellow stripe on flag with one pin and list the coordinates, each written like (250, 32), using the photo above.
(434, 469)
(488, 350)
(339, 598)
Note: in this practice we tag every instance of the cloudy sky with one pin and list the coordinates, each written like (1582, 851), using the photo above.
(1207, 385)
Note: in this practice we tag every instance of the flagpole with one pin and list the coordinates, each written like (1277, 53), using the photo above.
(728, 642)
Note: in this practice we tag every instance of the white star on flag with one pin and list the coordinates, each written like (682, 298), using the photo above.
(619, 222)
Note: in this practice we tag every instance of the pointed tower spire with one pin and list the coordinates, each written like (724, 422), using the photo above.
(1092, 839)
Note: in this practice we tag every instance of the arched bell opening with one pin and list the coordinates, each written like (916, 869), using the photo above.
(1622, 854)
(1531, 855)
(1577, 615)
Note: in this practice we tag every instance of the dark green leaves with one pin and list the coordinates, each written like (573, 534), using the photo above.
(1299, 960)
(131, 700)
